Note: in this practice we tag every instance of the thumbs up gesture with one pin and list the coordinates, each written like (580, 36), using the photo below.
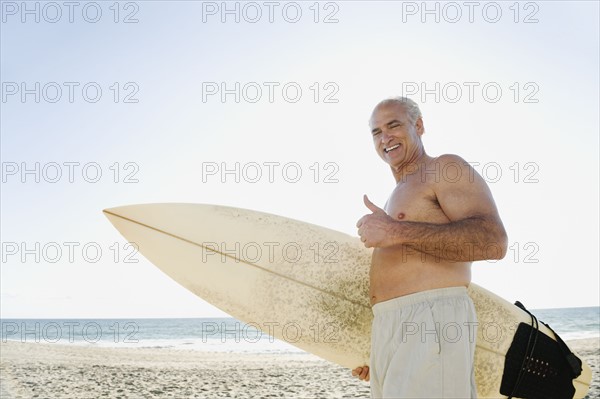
(378, 228)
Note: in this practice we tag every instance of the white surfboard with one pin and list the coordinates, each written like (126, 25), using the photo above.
(301, 283)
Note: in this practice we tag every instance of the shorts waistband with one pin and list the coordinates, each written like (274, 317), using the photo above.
(418, 297)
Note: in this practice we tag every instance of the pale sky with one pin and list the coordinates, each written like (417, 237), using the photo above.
(145, 95)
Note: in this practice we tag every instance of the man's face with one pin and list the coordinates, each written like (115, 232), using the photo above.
(396, 139)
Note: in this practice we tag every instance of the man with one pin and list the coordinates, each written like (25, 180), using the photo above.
(439, 218)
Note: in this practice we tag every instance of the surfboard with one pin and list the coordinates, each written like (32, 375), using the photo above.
(299, 282)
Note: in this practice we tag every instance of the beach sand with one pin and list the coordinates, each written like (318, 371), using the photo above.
(32, 370)
(589, 350)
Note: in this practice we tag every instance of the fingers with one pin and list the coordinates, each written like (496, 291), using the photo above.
(365, 373)
(362, 373)
(363, 238)
(372, 207)
(365, 219)
(360, 222)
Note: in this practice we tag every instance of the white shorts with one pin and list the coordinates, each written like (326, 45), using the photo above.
(423, 346)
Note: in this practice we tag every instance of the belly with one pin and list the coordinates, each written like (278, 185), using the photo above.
(402, 271)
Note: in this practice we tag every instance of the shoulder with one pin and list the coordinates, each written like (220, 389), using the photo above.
(447, 159)
(459, 189)
(450, 168)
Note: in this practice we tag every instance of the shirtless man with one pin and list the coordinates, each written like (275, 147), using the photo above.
(439, 218)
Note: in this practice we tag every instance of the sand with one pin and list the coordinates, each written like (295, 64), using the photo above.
(36, 370)
(30, 370)
(589, 350)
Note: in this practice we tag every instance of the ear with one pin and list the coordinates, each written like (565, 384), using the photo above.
(420, 127)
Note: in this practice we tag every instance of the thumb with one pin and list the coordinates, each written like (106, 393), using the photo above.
(374, 208)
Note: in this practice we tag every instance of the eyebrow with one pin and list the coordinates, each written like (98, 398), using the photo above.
(387, 124)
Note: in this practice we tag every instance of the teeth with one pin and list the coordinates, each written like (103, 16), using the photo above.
(391, 148)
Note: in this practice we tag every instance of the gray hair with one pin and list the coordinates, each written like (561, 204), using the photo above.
(411, 107)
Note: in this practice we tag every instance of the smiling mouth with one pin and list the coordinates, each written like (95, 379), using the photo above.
(392, 148)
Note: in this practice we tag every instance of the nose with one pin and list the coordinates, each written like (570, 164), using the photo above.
(385, 137)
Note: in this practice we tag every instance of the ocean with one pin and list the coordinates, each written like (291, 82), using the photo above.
(223, 334)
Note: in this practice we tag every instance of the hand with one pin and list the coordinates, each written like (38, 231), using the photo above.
(376, 229)
(362, 373)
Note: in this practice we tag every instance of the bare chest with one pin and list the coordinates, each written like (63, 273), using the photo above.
(414, 200)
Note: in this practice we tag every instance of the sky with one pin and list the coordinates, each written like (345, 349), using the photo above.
(106, 104)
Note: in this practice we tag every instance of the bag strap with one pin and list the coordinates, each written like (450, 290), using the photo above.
(528, 357)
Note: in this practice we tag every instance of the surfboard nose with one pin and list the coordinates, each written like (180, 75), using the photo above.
(121, 210)
(142, 213)
(110, 211)
(116, 210)
(118, 216)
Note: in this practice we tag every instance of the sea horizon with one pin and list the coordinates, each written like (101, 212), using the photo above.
(223, 317)
(222, 334)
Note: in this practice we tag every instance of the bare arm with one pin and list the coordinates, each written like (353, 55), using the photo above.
(466, 240)
(475, 231)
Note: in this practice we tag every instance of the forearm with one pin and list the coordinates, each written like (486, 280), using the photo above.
(467, 240)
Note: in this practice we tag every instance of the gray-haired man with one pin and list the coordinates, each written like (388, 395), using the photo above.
(439, 218)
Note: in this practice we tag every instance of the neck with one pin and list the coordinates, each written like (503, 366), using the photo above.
(411, 166)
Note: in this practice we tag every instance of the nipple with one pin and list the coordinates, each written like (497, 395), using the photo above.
(401, 215)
